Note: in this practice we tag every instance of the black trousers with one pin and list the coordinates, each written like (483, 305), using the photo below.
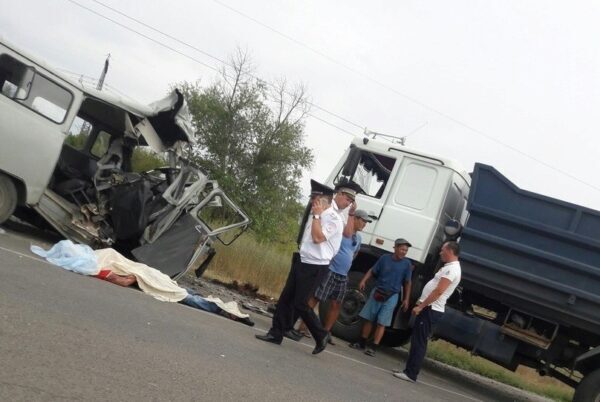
(301, 283)
(421, 331)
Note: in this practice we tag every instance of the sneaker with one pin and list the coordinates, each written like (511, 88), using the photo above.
(404, 377)
(398, 370)
(370, 352)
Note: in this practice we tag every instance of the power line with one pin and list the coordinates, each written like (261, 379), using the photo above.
(158, 31)
(331, 124)
(214, 58)
(149, 38)
(425, 106)
(92, 80)
(403, 95)
(335, 61)
(143, 35)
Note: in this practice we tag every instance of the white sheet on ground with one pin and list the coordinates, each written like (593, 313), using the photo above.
(230, 307)
(150, 280)
(154, 282)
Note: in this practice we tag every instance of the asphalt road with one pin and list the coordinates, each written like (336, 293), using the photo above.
(64, 336)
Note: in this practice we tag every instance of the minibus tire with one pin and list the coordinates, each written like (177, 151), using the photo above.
(8, 198)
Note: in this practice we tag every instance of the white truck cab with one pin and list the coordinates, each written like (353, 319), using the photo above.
(409, 194)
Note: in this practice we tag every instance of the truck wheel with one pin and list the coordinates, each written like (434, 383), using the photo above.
(588, 389)
(349, 324)
(8, 198)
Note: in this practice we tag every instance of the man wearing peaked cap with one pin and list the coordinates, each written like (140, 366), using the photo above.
(320, 241)
(349, 188)
(317, 189)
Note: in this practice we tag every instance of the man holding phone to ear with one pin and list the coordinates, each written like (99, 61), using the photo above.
(320, 243)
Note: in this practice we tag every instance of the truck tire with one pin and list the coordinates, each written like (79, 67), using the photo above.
(8, 198)
(348, 325)
(588, 389)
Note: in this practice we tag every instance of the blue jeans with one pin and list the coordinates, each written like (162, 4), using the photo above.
(200, 302)
(421, 331)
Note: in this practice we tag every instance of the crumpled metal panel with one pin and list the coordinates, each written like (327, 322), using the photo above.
(172, 252)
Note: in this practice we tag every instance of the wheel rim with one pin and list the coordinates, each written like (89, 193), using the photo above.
(353, 302)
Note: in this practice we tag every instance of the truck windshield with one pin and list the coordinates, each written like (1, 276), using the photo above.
(372, 172)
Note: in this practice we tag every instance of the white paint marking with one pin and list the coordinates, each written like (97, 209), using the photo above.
(381, 369)
(25, 255)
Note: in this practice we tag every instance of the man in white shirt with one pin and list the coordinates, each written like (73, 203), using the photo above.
(320, 242)
(429, 309)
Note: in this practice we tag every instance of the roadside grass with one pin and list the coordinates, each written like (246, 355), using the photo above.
(248, 261)
(524, 378)
(266, 267)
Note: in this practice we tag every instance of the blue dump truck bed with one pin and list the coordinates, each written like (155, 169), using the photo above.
(533, 253)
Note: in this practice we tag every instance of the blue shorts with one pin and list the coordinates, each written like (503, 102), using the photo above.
(382, 312)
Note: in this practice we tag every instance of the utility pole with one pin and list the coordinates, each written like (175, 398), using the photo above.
(103, 75)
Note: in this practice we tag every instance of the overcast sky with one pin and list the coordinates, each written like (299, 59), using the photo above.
(514, 84)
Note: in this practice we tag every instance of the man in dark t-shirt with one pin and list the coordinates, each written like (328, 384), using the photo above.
(392, 273)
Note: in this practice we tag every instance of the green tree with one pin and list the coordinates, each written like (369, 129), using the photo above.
(144, 160)
(250, 138)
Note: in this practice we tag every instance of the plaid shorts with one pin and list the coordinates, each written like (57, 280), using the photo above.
(333, 287)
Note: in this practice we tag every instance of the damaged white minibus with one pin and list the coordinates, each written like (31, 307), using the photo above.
(67, 158)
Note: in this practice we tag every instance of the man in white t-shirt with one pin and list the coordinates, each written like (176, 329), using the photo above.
(429, 309)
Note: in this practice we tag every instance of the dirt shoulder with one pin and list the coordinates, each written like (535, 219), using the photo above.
(245, 295)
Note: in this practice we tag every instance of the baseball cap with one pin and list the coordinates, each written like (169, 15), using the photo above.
(362, 214)
(402, 241)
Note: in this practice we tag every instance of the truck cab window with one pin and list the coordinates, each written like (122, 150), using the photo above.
(34, 91)
(372, 172)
